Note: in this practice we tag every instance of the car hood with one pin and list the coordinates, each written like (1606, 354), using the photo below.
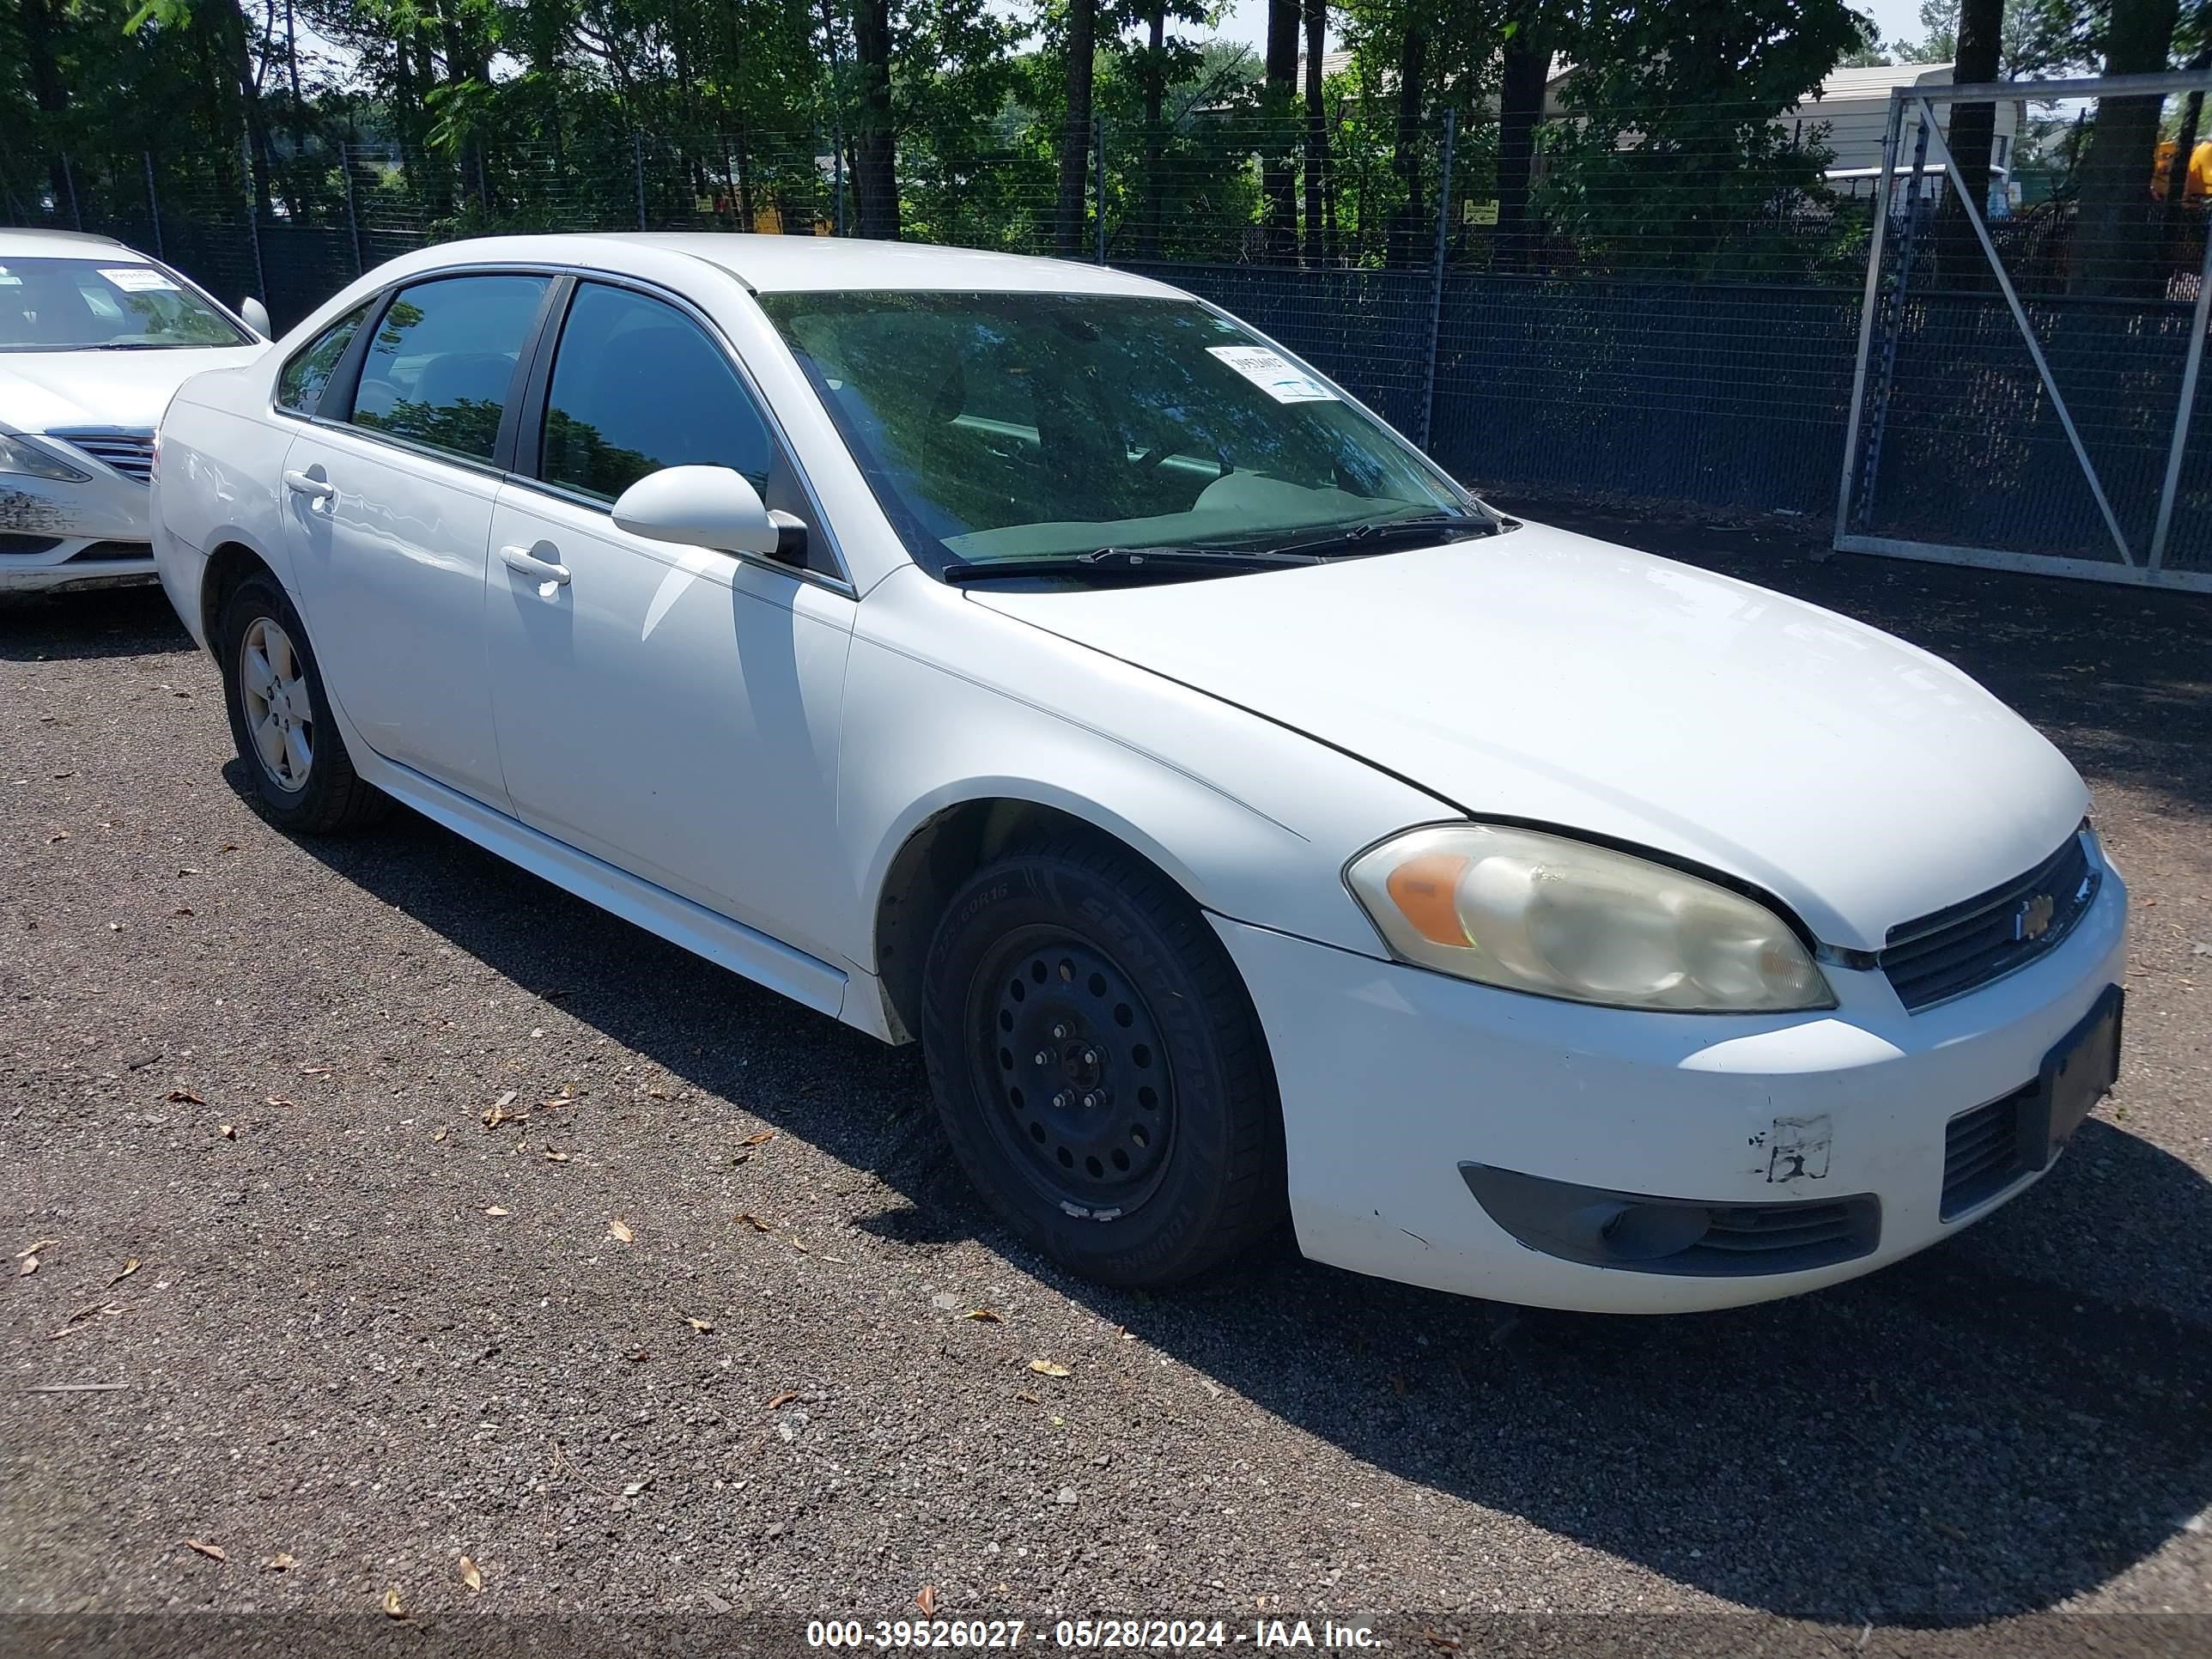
(1547, 677)
(42, 391)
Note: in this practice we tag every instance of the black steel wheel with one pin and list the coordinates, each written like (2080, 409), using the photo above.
(1098, 1065)
(1071, 1060)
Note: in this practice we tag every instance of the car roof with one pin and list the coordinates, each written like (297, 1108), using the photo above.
(769, 265)
(59, 244)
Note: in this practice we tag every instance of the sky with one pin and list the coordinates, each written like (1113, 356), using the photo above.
(1246, 20)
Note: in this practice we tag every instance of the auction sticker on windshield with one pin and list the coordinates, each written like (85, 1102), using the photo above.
(138, 279)
(1272, 375)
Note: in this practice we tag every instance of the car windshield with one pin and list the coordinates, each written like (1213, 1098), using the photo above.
(1044, 428)
(121, 303)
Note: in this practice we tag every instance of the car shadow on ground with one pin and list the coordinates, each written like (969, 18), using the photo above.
(107, 622)
(1957, 1438)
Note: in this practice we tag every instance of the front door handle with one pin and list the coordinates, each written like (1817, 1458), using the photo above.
(314, 489)
(536, 563)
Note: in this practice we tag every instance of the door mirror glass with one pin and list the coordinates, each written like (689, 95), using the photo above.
(712, 506)
(256, 317)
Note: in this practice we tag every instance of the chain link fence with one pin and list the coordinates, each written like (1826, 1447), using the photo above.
(1661, 310)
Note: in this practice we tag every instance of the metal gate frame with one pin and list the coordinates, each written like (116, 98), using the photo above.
(2151, 569)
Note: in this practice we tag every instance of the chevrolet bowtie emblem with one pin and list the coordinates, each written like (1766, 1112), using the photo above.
(2032, 919)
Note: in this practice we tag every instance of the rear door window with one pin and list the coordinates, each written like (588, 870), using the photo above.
(441, 366)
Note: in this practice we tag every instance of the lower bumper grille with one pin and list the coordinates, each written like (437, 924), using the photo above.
(1646, 1234)
(97, 552)
(1984, 1151)
(13, 542)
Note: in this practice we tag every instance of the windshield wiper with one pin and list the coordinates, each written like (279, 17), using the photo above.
(1126, 563)
(1355, 537)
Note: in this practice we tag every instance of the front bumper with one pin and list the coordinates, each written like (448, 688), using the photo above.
(58, 534)
(1392, 1077)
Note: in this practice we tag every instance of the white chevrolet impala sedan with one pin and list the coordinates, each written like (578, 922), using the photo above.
(1033, 661)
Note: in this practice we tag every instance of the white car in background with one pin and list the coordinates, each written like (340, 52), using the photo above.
(94, 340)
(1031, 658)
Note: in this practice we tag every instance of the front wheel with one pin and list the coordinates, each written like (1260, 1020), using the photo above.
(280, 716)
(1098, 1067)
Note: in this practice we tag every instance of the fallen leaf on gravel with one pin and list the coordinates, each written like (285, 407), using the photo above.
(314, 1070)
(72, 1323)
(182, 910)
(760, 1139)
(278, 1100)
(620, 1229)
(754, 1222)
(229, 1132)
(56, 839)
(985, 1315)
(1048, 1368)
(552, 1156)
(781, 1400)
(494, 1210)
(33, 1249)
(30, 1265)
(213, 1551)
(926, 1599)
(1027, 1398)
(556, 1101)
(640, 1355)
(497, 1114)
(279, 1562)
(129, 1268)
(701, 1326)
(441, 1135)
(393, 1606)
(799, 1245)
(185, 1097)
(470, 1575)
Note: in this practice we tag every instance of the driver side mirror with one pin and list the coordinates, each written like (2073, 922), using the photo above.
(256, 317)
(710, 507)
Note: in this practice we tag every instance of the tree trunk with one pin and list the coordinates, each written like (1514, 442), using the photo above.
(1278, 167)
(49, 93)
(1317, 240)
(1527, 67)
(1075, 140)
(1155, 86)
(235, 37)
(1408, 238)
(875, 173)
(1972, 132)
(2116, 240)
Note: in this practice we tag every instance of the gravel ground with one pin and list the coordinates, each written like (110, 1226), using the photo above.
(694, 1326)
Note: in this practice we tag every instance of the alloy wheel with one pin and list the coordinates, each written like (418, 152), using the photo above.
(272, 684)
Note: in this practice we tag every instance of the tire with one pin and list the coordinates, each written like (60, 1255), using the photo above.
(1069, 971)
(304, 783)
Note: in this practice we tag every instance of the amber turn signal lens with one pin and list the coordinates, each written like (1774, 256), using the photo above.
(1424, 889)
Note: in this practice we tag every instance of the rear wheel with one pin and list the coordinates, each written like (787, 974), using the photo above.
(302, 778)
(1099, 1067)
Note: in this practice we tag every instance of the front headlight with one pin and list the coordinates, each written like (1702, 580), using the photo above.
(1561, 918)
(16, 455)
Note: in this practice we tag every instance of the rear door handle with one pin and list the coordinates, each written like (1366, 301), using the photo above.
(534, 563)
(315, 489)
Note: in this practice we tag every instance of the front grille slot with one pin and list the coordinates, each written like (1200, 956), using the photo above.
(130, 453)
(98, 552)
(1982, 1152)
(1782, 1237)
(1964, 946)
(15, 542)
